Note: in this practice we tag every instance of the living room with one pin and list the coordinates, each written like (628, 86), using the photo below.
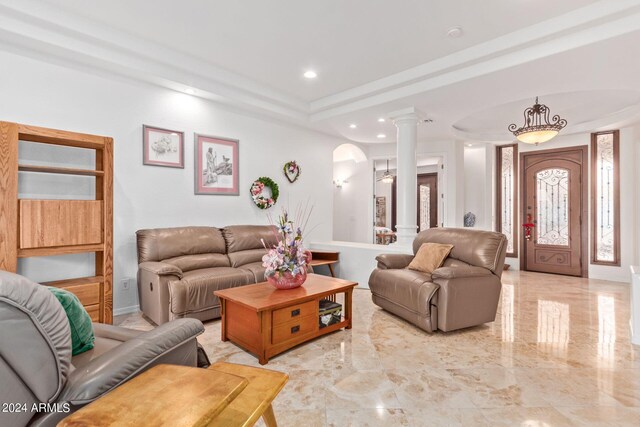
(147, 144)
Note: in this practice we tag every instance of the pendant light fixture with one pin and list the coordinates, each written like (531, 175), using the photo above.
(386, 177)
(537, 128)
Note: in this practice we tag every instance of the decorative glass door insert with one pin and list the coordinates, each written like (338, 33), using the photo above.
(507, 196)
(604, 199)
(552, 200)
(425, 207)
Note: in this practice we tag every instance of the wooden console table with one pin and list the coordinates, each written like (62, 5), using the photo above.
(267, 321)
(328, 258)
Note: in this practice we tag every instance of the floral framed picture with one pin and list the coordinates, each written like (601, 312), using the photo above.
(216, 165)
(162, 147)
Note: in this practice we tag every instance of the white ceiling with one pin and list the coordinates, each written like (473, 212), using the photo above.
(348, 43)
(372, 57)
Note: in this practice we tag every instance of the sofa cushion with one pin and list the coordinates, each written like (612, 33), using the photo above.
(406, 288)
(256, 269)
(39, 325)
(245, 243)
(195, 291)
(242, 258)
(199, 261)
(430, 256)
(246, 237)
(163, 243)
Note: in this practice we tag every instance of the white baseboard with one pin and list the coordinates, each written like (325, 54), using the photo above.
(126, 310)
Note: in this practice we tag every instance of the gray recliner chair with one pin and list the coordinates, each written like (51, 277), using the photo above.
(36, 365)
(463, 292)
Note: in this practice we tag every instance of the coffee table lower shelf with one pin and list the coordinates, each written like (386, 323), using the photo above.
(267, 322)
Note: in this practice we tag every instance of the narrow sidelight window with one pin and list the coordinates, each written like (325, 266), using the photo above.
(507, 195)
(605, 198)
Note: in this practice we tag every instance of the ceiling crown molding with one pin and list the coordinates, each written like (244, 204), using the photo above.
(43, 29)
(36, 28)
(597, 22)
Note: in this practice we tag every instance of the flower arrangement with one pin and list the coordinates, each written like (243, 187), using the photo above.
(528, 226)
(286, 262)
(291, 171)
(257, 189)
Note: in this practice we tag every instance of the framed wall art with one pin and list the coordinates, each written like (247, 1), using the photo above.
(216, 165)
(162, 147)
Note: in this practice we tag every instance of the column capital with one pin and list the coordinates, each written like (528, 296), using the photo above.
(407, 115)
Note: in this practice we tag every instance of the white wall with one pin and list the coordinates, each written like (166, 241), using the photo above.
(353, 203)
(477, 189)
(451, 208)
(48, 95)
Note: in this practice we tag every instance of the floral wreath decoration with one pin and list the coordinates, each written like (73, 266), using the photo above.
(257, 188)
(291, 171)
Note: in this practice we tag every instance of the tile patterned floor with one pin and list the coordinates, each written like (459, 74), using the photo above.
(558, 354)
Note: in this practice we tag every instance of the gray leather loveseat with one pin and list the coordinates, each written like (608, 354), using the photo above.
(180, 268)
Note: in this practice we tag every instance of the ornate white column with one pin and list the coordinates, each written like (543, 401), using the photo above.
(406, 122)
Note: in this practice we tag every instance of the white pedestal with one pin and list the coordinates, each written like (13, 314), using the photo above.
(635, 305)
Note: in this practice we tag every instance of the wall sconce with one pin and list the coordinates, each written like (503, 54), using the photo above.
(340, 182)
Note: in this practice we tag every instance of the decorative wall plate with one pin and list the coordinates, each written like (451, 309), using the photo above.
(291, 171)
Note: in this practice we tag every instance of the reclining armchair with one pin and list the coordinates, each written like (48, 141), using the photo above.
(36, 366)
(463, 292)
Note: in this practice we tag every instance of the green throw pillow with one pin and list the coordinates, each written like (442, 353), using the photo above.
(81, 328)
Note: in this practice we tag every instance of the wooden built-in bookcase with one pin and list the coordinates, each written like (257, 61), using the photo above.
(39, 228)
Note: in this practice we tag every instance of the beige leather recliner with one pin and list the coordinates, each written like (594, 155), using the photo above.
(36, 365)
(180, 268)
(463, 292)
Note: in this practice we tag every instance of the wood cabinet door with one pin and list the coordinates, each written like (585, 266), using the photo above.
(554, 202)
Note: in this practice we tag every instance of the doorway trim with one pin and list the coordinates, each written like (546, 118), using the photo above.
(584, 202)
(394, 195)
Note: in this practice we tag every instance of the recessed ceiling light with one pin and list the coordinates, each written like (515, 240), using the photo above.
(190, 91)
(310, 74)
(381, 119)
(353, 126)
(455, 32)
(469, 145)
(381, 135)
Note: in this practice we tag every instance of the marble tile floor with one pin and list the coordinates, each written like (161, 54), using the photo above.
(558, 354)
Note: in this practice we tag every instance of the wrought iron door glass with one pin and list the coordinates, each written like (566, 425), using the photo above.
(552, 207)
(508, 188)
(425, 206)
(605, 201)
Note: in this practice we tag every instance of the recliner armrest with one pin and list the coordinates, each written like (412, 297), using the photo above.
(161, 268)
(393, 261)
(127, 360)
(459, 272)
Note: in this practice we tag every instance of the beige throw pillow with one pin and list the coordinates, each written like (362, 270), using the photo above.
(429, 257)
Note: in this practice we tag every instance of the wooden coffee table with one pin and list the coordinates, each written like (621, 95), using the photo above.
(266, 321)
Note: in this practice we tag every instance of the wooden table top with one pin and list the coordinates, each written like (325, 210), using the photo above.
(165, 395)
(248, 407)
(263, 296)
(319, 262)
